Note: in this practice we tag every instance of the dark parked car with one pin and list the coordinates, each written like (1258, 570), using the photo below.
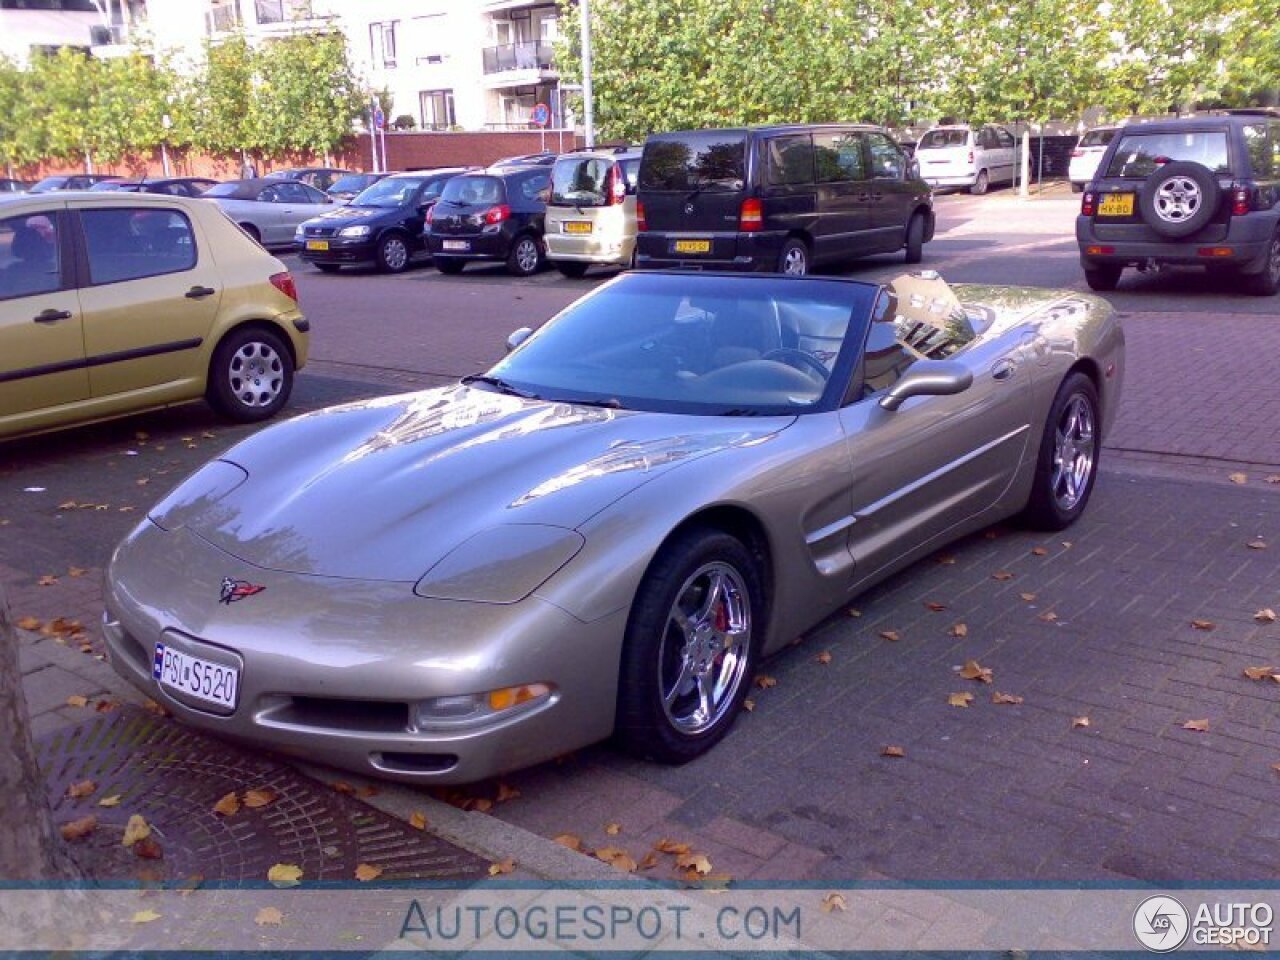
(322, 178)
(1202, 190)
(9, 185)
(494, 214)
(779, 198)
(75, 181)
(382, 225)
(172, 186)
(543, 159)
(344, 189)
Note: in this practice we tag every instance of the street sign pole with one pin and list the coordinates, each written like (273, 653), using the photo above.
(587, 110)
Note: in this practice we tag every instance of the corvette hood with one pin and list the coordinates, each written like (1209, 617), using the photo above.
(383, 489)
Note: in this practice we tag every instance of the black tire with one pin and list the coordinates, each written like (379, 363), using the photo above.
(393, 253)
(449, 265)
(1179, 199)
(793, 259)
(328, 267)
(525, 257)
(1060, 494)
(250, 375)
(915, 239)
(645, 726)
(1077, 187)
(253, 233)
(981, 184)
(1267, 282)
(1104, 276)
(572, 268)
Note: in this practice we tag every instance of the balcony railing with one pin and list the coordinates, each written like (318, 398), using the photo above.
(519, 56)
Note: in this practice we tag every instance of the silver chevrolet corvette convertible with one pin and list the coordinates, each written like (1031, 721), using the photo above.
(605, 532)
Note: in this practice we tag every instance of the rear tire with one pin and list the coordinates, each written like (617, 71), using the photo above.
(253, 233)
(915, 239)
(1103, 277)
(980, 185)
(250, 375)
(793, 261)
(1266, 283)
(449, 266)
(571, 268)
(525, 256)
(1068, 462)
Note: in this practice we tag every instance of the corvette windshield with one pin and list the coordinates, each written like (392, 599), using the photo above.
(694, 344)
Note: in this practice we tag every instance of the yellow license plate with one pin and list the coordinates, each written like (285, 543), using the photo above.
(577, 226)
(1116, 205)
(693, 246)
(317, 244)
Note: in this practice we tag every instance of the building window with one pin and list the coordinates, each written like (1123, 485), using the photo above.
(382, 43)
(224, 16)
(282, 11)
(437, 109)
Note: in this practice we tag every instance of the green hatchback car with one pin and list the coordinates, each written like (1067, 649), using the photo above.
(113, 303)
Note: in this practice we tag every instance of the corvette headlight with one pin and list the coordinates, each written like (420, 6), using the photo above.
(500, 565)
(471, 709)
(197, 493)
(361, 231)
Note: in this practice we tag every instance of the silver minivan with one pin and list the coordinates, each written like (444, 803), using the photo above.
(591, 214)
(960, 156)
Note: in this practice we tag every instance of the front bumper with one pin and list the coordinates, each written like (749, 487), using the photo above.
(331, 670)
(341, 250)
(1247, 237)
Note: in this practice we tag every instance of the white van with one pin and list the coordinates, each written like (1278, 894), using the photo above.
(959, 156)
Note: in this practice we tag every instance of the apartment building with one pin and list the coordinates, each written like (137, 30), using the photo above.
(32, 26)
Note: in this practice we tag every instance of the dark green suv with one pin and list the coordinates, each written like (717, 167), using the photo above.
(1201, 190)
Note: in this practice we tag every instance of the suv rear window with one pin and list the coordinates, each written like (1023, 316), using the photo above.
(580, 181)
(1097, 138)
(473, 190)
(937, 139)
(710, 160)
(1139, 154)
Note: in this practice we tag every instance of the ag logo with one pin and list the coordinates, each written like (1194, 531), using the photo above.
(1161, 924)
(688, 208)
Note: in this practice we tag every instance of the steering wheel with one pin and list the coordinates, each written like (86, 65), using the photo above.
(807, 362)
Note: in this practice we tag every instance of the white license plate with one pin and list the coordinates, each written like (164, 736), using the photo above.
(455, 245)
(211, 682)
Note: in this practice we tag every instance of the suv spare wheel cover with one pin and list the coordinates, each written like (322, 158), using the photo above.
(1179, 198)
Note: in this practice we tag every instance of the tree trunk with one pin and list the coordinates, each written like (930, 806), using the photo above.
(29, 849)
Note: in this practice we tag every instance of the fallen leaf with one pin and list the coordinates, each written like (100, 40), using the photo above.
(152, 707)
(1002, 575)
(960, 699)
(228, 806)
(1203, 624)
(29, 623)
(570, 840)
(68, 505)
(854, 612)
(1005, 698)
(78, 829)
(764, 681)
(1259, 673)
(1027, 596)
(111, 801)
(1067, 544)
(696, 862)
(368, 790)
(507, 792)
(136, 829)
(82, 789)
(824, 657)
(62, 627)
(972, 670)
(1048, 616)
(617, 858)
(1257, 544)
(47, 581)
(418, 820)
(648, 862)
(482, 804)
(145, 916)
(935, 606)
(76, 572)
(833, 902)
(75, 700)
(1079, 722)
(891, 635)
(959, 630)
(1039, 551)
(208, 435)
(147, 849)
(367, 871)
(748, 704)
(284, 875)
(613, 829)
(259, 797)
(1238, 477)
(946, 559)
(1265, 615)
(343, 787)
(1200, 726)
(142, 481)
(1274, 478)
(125, 509)
(502, 867)
(269, 917)
(671, 846)
(892, 751)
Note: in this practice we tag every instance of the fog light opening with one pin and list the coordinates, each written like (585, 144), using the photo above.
(471, 709)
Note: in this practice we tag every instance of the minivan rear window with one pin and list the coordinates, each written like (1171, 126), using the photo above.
(580, 181)
(709, 160)
(1097, 138)
(937, 139)
(1139, 154)
(472, 190)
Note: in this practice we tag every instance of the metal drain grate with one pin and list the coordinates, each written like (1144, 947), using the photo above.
(173, 776)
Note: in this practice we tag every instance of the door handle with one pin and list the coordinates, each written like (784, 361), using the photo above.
(51, 316)
(1003, 370)
(196, 293)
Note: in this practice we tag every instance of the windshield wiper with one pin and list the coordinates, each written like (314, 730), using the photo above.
(739, 412)
(502, 386)
(613, 403)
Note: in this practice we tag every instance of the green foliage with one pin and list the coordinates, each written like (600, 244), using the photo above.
(308, 95)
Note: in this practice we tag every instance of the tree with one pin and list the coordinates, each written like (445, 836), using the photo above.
(308, 94)
(224, 98)
(19, 131)
(128, 109)
(62, 87)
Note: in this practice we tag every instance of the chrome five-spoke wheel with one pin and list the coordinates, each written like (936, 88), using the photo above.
(1074, 452)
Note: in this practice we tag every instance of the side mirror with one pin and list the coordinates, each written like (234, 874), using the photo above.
(518, 337)
(913, 169)
(928, 378)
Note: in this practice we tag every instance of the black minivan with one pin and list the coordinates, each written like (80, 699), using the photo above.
(778, 198)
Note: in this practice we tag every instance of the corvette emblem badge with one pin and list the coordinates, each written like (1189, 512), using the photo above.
(234, 590)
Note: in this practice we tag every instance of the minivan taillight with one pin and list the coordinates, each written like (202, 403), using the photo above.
(971, 156)
(431, 212)
(497, 214)
(1241, 201)
(751, 216)
(1077, 152)
(1087, 203)
(641, 224)
(615, 188)
(284, 283)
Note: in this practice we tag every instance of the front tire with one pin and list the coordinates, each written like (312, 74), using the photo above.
(691, 645)
(1267, 282)
(1068, 462)
(393, 253)
(525, 257)
(981, 184)
(915, 239)
(448, 266)
(250, 375)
